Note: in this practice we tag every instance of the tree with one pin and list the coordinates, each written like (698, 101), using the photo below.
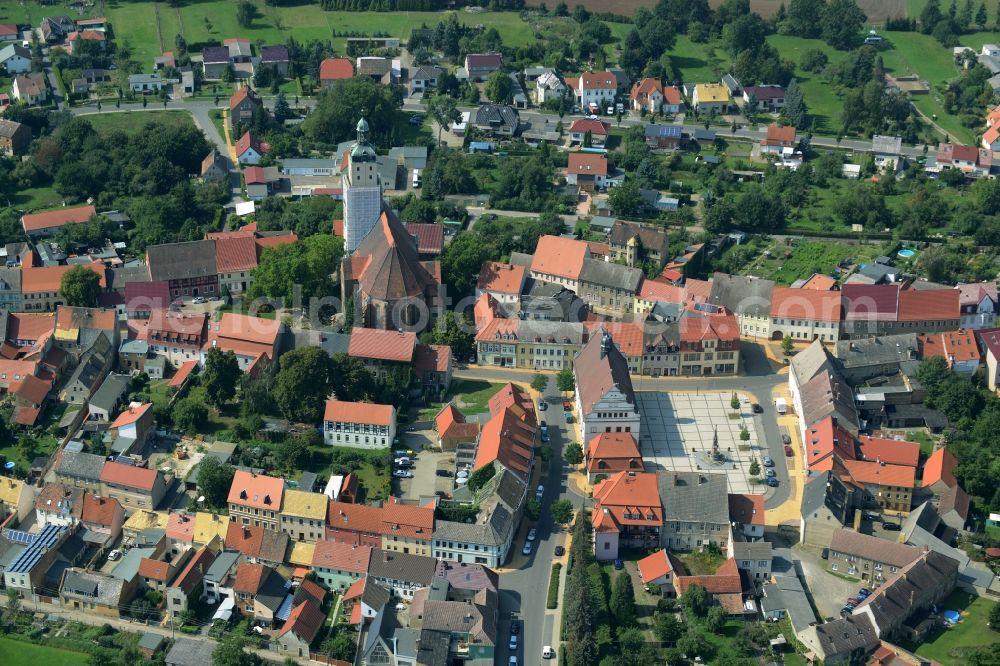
(787, 345)
(994, 618)
(694, 644)
(625, 199)
(562, 511)
(981, 16)
(461, 261)
(230, 652)
(80, 287)
(27, 445)
(341, 646)
(801, 20)
(583, 651)
(189, 415)
(667, 627)
(282, 111)
(734, 402)
(338, 108)
(565, 381)
(744, 434)
(302, 384)
(444, 110)
(930, 16)
(539, 382)
(214, 479)
(695, 599)
(794, 111)
(292, 454)
(499, 88)
(715, 619)
(351, 380)
(623, 599)
(308, 264)
(841, 23)
(246, 12)
(533, 509)
(481, 477)
(452, 330)
(754, 468)
(222, 372)
(573, 455)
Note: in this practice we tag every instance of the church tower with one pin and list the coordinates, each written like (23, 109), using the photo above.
(362, 190)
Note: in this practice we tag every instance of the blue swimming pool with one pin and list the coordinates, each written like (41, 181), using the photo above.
(905, 253)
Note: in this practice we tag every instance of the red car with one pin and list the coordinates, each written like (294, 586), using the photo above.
(788, 451)
(567, 406)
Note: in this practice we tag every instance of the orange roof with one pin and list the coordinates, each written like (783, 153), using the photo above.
(928, 304)
(991, 135)
(587, 164)
(822, 440)
(511, 396)
(646, 87)
(896, 452)
(46, 279)
(653, 290)
(610, 452)
(182, 372)
(714, 327)
(265, 242)
(431, 358)
(358, 412)
(129, 476)
(69, 318)
(11, 371)
(248, 328)
(256, 491)
(31, 388)
(697, 290)
(672, 95)
(249, 577)
(656, 565)
(341, 556)
(154, 569)
(806, 304)
(627, 498)
(880, 474)
(725, 580)
(746, 509)
(407, 520)
(940, 466)
(952, 346)
(385, 345)
(333, 69)
(599, 81)
(235, 253)
(562, 257)
(27, 326)
(195, 569)
(57, 218)
(501, 278)
(993, 117)
(506, 439)
(584, 125)
(131, 415)
(180, 526)
(305, 620)
(99, 510)
(241, 95)
(819, 282)
(779, 136)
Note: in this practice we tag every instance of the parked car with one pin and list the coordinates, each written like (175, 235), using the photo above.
(548, 652)
(772, 482)
(770, 473)
(515, 627)
(544, 436)
(512, 645)
(788, 451)
(825, 554)
(512, 661)
(619, 565)
(567, 406)
(864, 593)
(542, 405)
(539, 492)
(444, 472)
(114, 555)
(527, 548)
(198, 300)
(403, 460)
(785, 439)
(403, 474)
(544, 429)
(892, 527)
(560, 551)
(757, 409)
(416, 119)
(854, 601)
(568, 417)
(766, 460)
(532, 533)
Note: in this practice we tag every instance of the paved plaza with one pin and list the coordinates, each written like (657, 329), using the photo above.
(677, 426)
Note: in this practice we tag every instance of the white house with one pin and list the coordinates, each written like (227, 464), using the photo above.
(145, 83)
(548, 86)
(29, 88)
(15, 59)
(359, 425)
(595, 89)
(977, 305)
(605, 400)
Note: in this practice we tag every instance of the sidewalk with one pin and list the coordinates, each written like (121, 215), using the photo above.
(227, 136)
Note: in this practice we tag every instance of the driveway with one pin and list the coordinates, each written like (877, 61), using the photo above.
(829, 593)
(425, 481)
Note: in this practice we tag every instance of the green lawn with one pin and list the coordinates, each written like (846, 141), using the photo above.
(948, 645)
(216, 116)
(134, 121)
(36, 198)
(789, 263)
(700, 564)
(925, 441)
(474, 395)
(20, 653)
(821, 98)
(698, 62)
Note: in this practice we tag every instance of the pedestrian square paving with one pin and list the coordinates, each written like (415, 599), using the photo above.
(678, 428)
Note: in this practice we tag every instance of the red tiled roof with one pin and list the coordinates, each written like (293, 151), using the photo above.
(430, 237)
(431, 358)
(342, 556)
(57, 218)
(131, 415)
(44, 279)
(241, 95)
(779, 136)
(952, 346)
(819, 282)
(656, 565)
(647, 87)
(358, 412)
(194, 570)
(501, 278)
(333, 69)
(587, 164)
(870, 302)
(562, 257)
(154, 569)
(896, 452)
(183, 372)
(584, 125)
(248, 328)
(940, 466)
(385, 345)
(653, 290)
(746, 509)
(27, 326)
(235, 254)
(880, 474)
(806, 304)
(99, 510)
(256, 491)
(8, 29)
(598, 81)
(511, 396)
(822, 440)
(721, 327)
(129, 476)
(254, 175)
(627, 498)
(249, 577)
(180, 526)
(725, 580)
(31, 389)
(672, 95)
(616, 450)
(246, 142)
(506, 439)
(928, 304)
(305, 620)
(265, 242)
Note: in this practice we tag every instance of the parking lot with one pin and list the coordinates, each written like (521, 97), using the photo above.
(829, 593)
(676, 426)
(426, 462)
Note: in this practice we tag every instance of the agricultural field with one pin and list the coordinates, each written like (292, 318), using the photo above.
(21, 653)
(785, 263)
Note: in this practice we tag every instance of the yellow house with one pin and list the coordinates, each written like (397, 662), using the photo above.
(302, 554)
(15, 498)
(303, 515)
(208, 526)
(143, 520)
(711, 98)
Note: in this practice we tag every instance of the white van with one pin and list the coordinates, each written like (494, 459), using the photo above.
(781, 406)
(416, 178)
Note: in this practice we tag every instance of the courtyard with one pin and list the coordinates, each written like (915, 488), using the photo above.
(678, 430)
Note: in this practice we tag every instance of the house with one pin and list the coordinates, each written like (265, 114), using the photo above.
(610, 453)
(332, 70)
(38, 225)
(647, 95)
(605, 400)
(722, 587)
(9, 32)
(55, 28)
(430, 239)
(214, 166)
(252, 339)
(56, 504)
(667, 137)
(376, 68)
(255, 499)
(497, 119)
(215, 60)
(636, 244)
(96, 593)
(503, 282)
(135, 487)
(80, 470)
(770, 99)
(778, 139)
(134, 424)
(868, 558)
(657, 571)
(401, 573)
(805, 314)
(14, 137)
(106, 399)
(188, 585)
(710, 98)
(432, 367)
(594, 90)
(627, 514)
(989, 340)
(261, 182)
(257, 544)
(752, 557)
(452, 428)
(16, 499)
(359, 425)
(259, 591)
(15, 59)
(845, 640)
(588, 171)
(93, 367)
(749, 298)
(958, 348)
(746, 514)
(424, 78)
(887, 151)
(276, 57)
(973, 161)
(548, 87)
(582, 128)
(248, 149)
(732, 85)
(695, 510)
(337, 565)
(245, 103)
(78, 36)
(145, 83)
(479, 66)
(978, 305)
(301, 628)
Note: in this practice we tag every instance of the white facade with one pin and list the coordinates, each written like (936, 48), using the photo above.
(807, 329)
(362, 201)
(984, 317)
(16, 64)
(360, 435)
(613, 413)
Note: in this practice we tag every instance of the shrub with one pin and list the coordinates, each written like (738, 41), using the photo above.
(553, 598)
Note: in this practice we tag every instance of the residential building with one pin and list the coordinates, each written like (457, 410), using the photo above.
(770, 98)
(710, 98)
(805, 314)
(332, 70)
(609, 289)
(135, 487)
(497, 119)
(636, 244)
(748, 298)
(958, 348)
(695, 510)
(244, 104)
(257, 544)
(80, 470)
(214, 166)
(627, 514)
(337, 565)
(359, 425)
(548, 87)
(145, 83)
(605, 401)
(407, 528)
(657, 572)
(503, 282)
(96, 593)
(252, 339)
(188, 268)
(611, 453)
(453, 429)
(746, 514)
(647, 95)
(978, 305)
(303, 515)
(559, 260)
(188, 585)
(989, 340)
(594, 90)
(584, 130)
(106, 400)
(276, 57)
(479, 66)
(722, 587)
(255, 499)
(753, 557)
(259, 591)
(401, 573)
(424, 78)
(300, 630)
(14, 137)
(30, 89)
(826, 507)
(887, 151)
(588, 171)
(973, 161)
(868, 558)
(47, 223)
(667, 137)
(845, 640)
(248, 149)
(779, 139)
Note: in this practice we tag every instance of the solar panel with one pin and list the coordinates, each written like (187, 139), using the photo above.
(125, 460)
(30, 556)
(17, 536)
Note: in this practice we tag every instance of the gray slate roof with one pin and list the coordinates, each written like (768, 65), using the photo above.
(188, 652)
(847, 634)
(178, 261)
(406, 567)
(86, 466)
(110, 391)
(694, 496)
(497, 115)
(743, 295)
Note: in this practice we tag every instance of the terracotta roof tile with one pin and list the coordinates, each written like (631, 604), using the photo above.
(893, 451)
(430, 237)
(746, 509)
(99, 510)
(807, 304)
(779, 136)
(654, 566)
(725, 580)
(940, 466)
(880, 474)
(342, 557)
(584, 125)
(235, 254)
(928, 304)
(627, 498)
(256, 491)
(385, 345)
(359, 412)
(128, 476)
(587, 164)
(131, 415)
(610, 452)
(42, 279)
(333, 69)
(562, 257)
(501, 278)
(57, 218)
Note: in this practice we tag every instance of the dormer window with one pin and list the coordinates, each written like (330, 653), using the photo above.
(243, 494)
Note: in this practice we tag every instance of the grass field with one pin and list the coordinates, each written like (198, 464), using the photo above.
(133, 121)
(19, 653)
(473, 396)
(698, 62)
(805, 258)
(822, 101)
(949, 645)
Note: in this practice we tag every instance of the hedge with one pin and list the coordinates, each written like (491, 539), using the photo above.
(553, 598)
